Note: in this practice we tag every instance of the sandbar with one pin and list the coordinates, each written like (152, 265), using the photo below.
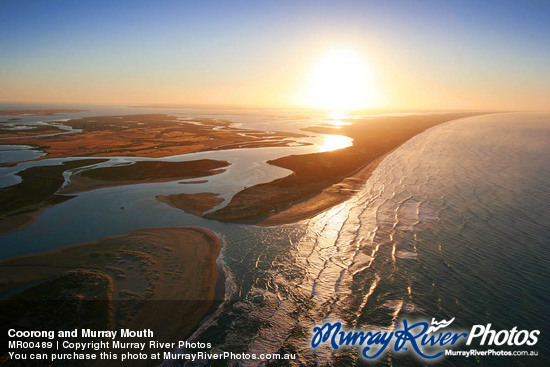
(158, 278)
(30, 131)
(195, 204)
(321, 180)
(21, 203)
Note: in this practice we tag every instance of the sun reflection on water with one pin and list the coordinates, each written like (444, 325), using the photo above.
(338, 115)
(333, 142)
(335, 119)
(338, 123)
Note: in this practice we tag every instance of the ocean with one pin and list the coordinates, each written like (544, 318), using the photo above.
(455, 223)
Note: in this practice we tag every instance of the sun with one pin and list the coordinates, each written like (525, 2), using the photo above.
(340, 79)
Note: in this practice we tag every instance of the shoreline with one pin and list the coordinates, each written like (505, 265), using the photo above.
(23, 202)
(142, 172)
(322, 180)
(196, 204)
(326, 199)
(152, 272)
(149, 135)
(41, 186)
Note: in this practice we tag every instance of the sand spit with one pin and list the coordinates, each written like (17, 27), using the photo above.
(158, 278)
(195, 204)
(321, 180)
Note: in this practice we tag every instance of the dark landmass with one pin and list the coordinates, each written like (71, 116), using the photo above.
(142, 172)
(41, 187)
(36, 130)
(193, 182)
(158, 278)
(20, 203)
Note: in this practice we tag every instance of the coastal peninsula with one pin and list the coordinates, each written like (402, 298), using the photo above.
(145, 279)
(320, 181)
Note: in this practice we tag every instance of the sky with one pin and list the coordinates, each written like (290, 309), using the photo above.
(417, 54)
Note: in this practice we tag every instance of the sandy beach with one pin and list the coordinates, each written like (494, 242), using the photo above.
(321, 180)
(145, 279)
(273, 184)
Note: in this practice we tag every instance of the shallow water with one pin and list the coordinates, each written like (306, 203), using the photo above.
(454, 223)
(16, 153)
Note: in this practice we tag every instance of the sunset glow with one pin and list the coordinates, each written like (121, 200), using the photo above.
(290, 183)
(344, 55)
(340, 79)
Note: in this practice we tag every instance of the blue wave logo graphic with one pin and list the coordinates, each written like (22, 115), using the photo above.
(417, 337)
